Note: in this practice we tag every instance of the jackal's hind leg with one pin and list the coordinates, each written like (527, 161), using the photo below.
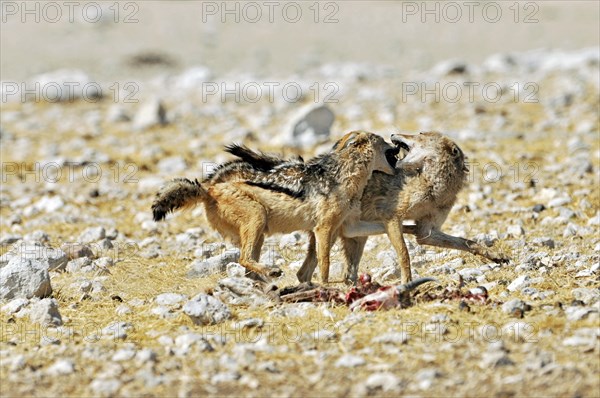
(438, 238)
(252, 238)
(307, 270)
(353, 251)
(257, 248)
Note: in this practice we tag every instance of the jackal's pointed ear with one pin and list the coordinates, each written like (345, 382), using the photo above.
(346, 141)
(456, 152)
(459, 158)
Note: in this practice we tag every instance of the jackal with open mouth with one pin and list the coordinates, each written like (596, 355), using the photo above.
(424, 189)
(246, 200)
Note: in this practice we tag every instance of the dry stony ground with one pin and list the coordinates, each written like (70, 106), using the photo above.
(121, 336)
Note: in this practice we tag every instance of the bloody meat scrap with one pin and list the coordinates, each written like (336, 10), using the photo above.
(367, 295)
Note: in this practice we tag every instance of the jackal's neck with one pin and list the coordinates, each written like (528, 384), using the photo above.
(443, 179)
(354, 171)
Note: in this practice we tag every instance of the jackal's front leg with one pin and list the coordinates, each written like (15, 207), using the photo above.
(324, 236)
(307, 270)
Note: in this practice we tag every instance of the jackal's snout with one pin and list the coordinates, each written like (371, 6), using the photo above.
(403, 141)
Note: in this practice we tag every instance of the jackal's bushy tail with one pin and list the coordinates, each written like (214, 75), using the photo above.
(177, 194)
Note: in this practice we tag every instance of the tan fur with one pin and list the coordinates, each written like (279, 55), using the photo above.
(424, 189)
(262, 202)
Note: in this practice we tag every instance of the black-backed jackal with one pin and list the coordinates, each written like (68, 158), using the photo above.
(245, 201)
(424, 189)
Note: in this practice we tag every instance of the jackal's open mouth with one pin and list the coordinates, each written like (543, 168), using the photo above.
(400, 144)
(391, 156)
(404, 145)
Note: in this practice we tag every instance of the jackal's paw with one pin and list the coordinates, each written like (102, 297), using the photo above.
(265, 274)
(350, 280)
(258, 277)
(274, 272)
(498, 258)
(351, 275)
